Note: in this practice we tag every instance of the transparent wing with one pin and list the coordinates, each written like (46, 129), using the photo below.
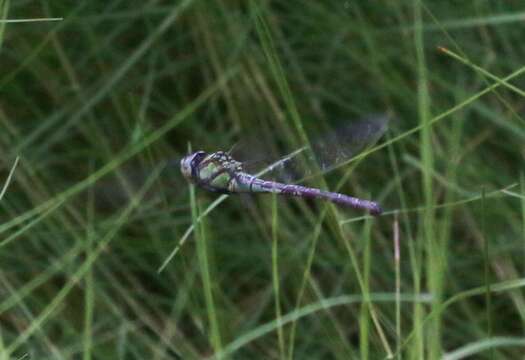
(325, 153)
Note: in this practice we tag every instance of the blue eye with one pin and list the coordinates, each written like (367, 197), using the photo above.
(195, 161)
(197, 158)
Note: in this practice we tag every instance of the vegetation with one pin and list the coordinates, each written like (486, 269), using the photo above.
(107, 253)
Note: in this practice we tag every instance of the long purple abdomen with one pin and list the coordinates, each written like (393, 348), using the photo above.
(263, 186)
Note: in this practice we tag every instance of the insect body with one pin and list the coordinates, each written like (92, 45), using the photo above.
(219, 172)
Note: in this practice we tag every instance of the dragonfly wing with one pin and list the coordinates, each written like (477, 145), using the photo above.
(255, 151)
(345, 143)
(329, 151)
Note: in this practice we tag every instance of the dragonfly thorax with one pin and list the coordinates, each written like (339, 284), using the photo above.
(213, 171)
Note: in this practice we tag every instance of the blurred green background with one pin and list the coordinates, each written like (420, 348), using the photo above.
(95, 104)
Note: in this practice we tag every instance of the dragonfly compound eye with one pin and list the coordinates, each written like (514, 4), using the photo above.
(189, 164)
(196, 158)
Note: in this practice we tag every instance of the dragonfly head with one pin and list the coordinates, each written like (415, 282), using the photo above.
(189, 164)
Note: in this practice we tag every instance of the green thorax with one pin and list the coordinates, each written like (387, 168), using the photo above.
(217, 172)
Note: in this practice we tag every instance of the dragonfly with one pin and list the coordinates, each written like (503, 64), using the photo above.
(219, 172)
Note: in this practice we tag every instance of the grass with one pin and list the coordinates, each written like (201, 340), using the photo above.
(106, 251)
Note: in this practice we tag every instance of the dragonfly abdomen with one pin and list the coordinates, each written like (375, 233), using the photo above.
(248, 183)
